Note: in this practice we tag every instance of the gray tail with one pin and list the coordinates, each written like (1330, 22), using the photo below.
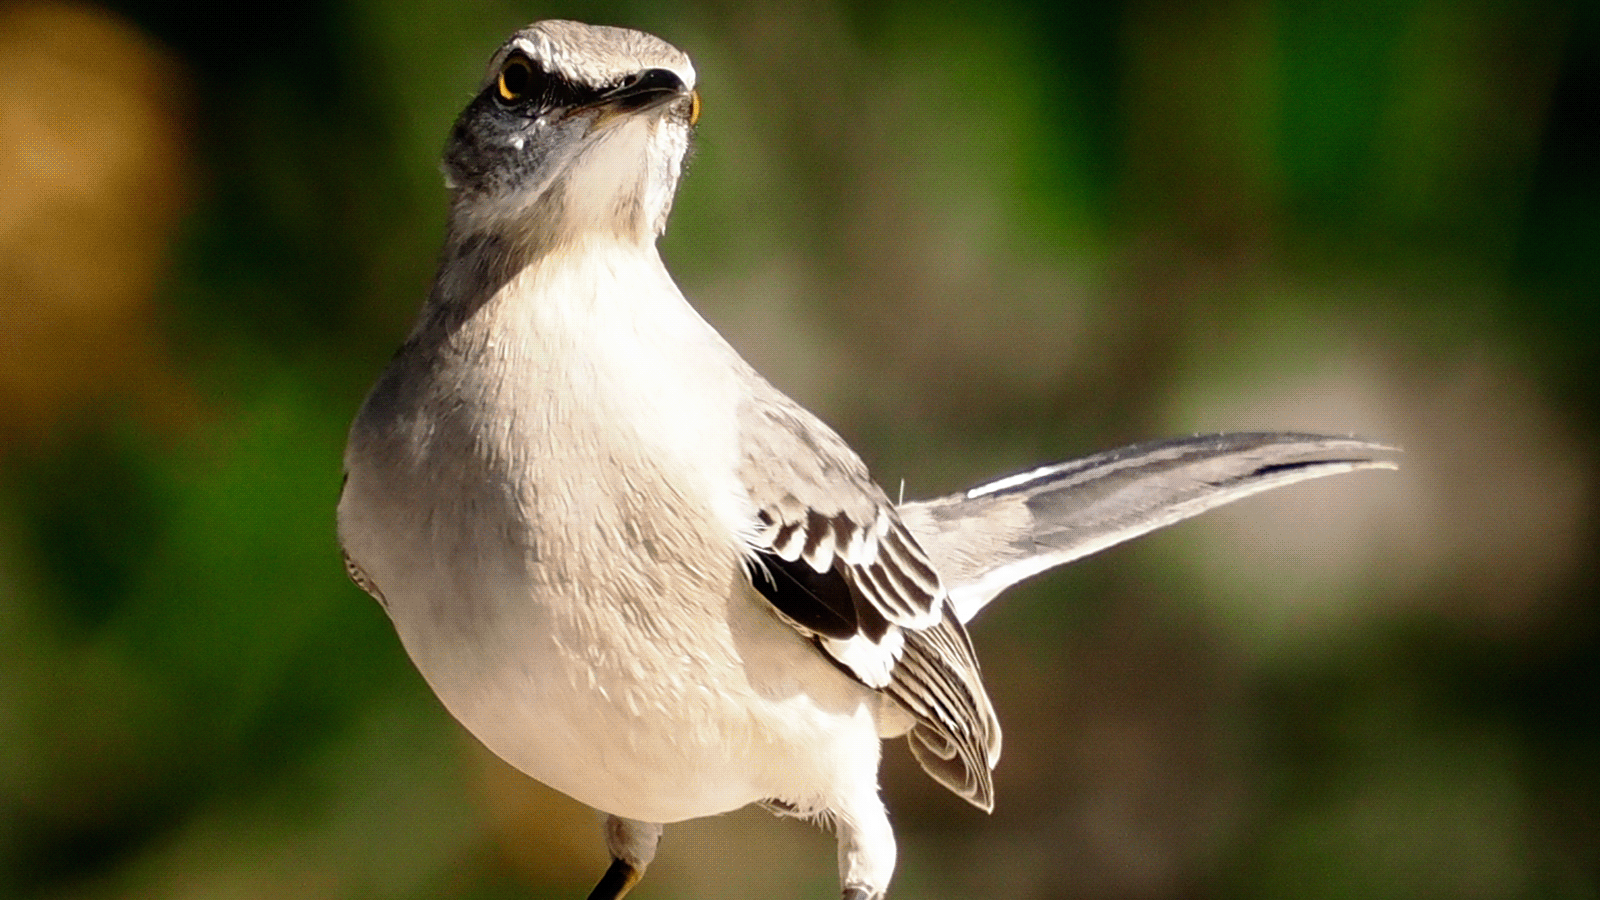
(991, 537)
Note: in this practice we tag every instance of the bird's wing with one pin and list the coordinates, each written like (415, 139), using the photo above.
(832, 556)
(994, 535)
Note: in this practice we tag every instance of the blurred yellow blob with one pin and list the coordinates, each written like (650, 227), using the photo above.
(92, 183)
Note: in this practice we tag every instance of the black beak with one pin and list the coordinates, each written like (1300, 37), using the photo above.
(644, 90)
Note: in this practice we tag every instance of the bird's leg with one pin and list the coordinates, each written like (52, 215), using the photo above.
(632, 846)
(866, 846)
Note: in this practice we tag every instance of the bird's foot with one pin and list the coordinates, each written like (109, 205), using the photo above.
(617, 882)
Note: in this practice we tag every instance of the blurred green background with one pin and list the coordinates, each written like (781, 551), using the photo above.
(974, 237)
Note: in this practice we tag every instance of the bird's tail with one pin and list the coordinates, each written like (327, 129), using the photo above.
(991, 537)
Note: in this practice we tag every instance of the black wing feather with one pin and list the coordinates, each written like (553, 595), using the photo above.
(819, 602)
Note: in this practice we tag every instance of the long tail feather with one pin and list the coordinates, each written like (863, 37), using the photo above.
(991, 537)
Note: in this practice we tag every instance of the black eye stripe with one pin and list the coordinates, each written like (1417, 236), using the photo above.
(521, 83)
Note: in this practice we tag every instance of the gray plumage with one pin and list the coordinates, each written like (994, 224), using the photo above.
(639, 572)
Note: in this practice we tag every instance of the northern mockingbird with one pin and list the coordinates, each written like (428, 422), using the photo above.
(636, 570)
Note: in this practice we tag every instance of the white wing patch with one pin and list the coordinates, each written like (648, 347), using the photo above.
(871, 662)
(869, 598)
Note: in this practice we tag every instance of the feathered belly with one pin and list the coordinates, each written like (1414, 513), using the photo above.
(655, 708)
(576, 596)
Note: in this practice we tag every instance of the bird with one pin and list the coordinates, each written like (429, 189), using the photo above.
(630, 565)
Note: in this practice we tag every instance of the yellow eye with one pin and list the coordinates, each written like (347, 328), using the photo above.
(694, 107)
(516, 77)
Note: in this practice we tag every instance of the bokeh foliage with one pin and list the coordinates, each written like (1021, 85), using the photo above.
(973, 237)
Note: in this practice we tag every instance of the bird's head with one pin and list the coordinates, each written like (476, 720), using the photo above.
(578, 131)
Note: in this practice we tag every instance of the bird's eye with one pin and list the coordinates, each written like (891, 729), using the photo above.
(694, 107)
(516, 79)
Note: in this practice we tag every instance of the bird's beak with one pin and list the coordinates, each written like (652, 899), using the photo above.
(648, 90)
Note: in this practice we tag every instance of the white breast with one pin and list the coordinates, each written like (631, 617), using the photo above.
(556, 528)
